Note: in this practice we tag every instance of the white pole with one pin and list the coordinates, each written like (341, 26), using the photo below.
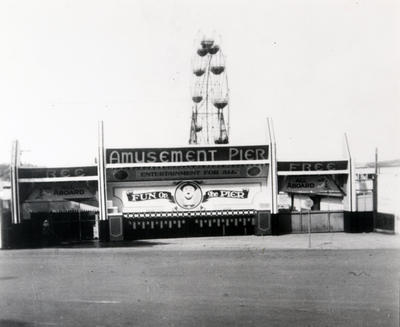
(1, 224)
(351, 196)
(14, 183)
(102, 187)
(309, 228)
(272, 166)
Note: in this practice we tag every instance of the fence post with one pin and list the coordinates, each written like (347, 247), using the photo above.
(329, 221)
(301, 219)
(309, 228)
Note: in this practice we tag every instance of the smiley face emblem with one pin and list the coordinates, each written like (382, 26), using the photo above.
(188, 195)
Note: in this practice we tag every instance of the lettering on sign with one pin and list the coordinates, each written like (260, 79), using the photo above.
(69, 192)
(186, 173)
(188, 195)
(149, 196)
(312, 165)
(121, 156)
(243, 194)
(51, 193)
(57, 172)
(311, 184)
(65, 172)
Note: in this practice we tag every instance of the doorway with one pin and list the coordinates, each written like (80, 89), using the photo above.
(63, 227)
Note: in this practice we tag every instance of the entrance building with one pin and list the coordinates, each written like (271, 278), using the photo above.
(210, 190)
(322, 189)
(134, 193)
(57, 205)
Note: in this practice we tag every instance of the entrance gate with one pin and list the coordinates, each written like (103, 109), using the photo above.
(63, 227)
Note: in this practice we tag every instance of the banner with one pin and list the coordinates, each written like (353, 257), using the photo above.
(194, 154)
(149, 196)
(243, 194)
(57, 172)
(312, 165)
(185, 173)
(185, 195)
(320, 185)
(45, 193)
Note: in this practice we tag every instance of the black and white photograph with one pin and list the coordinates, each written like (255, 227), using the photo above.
(199, 163)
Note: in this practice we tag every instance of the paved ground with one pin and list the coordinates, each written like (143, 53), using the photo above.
(344, 280)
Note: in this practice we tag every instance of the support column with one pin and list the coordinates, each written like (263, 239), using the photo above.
(273, 174)
(351, 178)
(101, 172)
(15, 205)
(375, 191)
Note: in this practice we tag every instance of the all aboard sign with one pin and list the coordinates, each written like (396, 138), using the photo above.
(192, 154)
(59, 193)
(319, 185)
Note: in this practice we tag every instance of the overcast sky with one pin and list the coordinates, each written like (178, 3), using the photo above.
(317, 68)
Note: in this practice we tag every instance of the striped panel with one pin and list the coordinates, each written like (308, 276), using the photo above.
(184, 214)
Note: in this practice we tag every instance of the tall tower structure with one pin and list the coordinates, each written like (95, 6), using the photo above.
(210, 95)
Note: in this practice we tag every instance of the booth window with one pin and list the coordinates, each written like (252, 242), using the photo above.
(326, 192)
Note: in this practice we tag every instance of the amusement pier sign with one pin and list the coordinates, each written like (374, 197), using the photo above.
(194, 154)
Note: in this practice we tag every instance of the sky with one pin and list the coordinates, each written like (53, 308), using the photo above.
(318, 68)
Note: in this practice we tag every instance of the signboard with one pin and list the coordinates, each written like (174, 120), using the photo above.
(193, 154)
(179, 173)
(312, 165)
(57, 172)
(322, 185)
(189, 195)
(57, 193)
(308, 203)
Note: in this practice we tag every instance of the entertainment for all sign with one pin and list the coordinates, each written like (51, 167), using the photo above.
(197, 154)
(186, 172)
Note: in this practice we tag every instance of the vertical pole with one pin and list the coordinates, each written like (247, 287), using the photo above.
(1, 224)
(309, 228)
(101, 171)
(375, 191)
(207, 97)
(291, 202)
(329, 220)
(273, 180)
(274, 169)
(14, 183)
(79, 223)
(301, 219)
(351, 196)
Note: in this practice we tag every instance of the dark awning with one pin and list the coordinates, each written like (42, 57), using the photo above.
(57, 206)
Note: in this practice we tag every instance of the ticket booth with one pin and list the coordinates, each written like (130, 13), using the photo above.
(327, 185)
(57, 205)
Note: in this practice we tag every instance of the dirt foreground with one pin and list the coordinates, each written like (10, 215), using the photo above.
(343, 280)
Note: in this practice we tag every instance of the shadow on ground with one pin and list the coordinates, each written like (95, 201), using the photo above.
(121, 244)
(94, 244)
